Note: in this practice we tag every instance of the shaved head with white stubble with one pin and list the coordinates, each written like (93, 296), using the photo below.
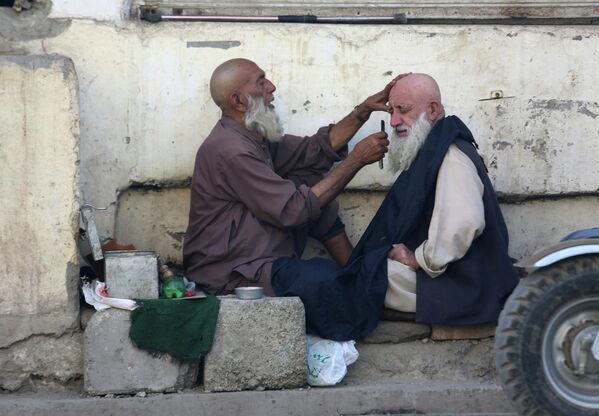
(416, 106)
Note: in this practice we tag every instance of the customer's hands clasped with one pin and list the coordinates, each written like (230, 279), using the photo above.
(404, 255)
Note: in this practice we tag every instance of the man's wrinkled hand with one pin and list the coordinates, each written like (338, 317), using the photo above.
(379, 101)
(371, 148)
(404, 255)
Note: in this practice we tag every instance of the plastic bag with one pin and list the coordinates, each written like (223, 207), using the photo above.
(328, 360)
(95, 294)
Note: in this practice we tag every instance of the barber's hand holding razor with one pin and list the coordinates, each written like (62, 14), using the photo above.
(370, 149)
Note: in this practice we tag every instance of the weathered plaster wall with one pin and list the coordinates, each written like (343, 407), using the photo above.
(145, 106)
(39, 195)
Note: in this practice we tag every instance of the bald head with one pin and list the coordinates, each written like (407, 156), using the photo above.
(228, 77)
(234, 82)
(412, 96)
(418, 86)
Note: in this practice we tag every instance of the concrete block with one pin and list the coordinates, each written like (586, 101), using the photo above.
(446, 332)
(132, 274)
(259, 344)
(112, 364)
(39, 218)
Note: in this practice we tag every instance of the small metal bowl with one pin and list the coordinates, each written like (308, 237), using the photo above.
(248, 293)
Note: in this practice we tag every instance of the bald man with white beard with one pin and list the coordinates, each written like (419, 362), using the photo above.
(256, 194)
(450, 264)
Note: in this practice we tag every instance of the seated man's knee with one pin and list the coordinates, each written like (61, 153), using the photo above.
(328, 224)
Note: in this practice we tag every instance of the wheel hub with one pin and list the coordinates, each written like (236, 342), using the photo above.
(568, 363)
(577, 349)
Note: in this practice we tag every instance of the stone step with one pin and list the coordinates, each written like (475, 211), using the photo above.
(431, 398)
(396, 352)
(403, 352)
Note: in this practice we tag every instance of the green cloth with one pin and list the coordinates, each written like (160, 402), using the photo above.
(182, 328)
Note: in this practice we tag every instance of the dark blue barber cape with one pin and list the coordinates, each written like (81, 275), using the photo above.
(345, 303)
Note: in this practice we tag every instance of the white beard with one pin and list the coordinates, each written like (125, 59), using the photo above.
(263, 120)
(403, 150)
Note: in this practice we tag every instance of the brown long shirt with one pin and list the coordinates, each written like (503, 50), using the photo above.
(244, 208)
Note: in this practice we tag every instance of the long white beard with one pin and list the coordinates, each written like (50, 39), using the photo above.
(403, 151)
(263, 120)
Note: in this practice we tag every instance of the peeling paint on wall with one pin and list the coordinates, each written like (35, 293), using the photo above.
(500, 145)
(218, 44)
(565, 105)
(584, 110)
(31, 24)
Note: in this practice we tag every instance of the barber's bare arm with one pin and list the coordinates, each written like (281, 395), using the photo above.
(367, 151)
(344, 130)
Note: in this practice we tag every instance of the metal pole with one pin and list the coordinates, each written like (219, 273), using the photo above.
(395, 19)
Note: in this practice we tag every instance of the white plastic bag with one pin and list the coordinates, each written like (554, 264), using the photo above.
(328, 360)
(95, 294)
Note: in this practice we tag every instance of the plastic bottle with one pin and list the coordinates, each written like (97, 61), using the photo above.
(172, 286)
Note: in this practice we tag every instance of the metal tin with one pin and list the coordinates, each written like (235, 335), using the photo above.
(132, 274)
(248, 293)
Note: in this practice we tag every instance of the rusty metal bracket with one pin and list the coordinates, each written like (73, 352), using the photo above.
(496, 95)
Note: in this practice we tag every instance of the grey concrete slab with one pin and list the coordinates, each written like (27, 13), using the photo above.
(381, 399)
(132, 274)
(258, 344)
(112, 364)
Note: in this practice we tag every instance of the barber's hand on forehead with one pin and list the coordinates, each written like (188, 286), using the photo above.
(378, 101)
(371, 148)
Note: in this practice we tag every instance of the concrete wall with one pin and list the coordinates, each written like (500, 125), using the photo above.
(38, 220)
(144, 108)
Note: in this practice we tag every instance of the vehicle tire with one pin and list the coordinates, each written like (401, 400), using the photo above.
(539, 338)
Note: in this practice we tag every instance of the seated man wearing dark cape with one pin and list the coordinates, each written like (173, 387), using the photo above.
(437, 245)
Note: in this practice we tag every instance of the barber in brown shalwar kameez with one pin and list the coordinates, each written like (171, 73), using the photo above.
(257, 194)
